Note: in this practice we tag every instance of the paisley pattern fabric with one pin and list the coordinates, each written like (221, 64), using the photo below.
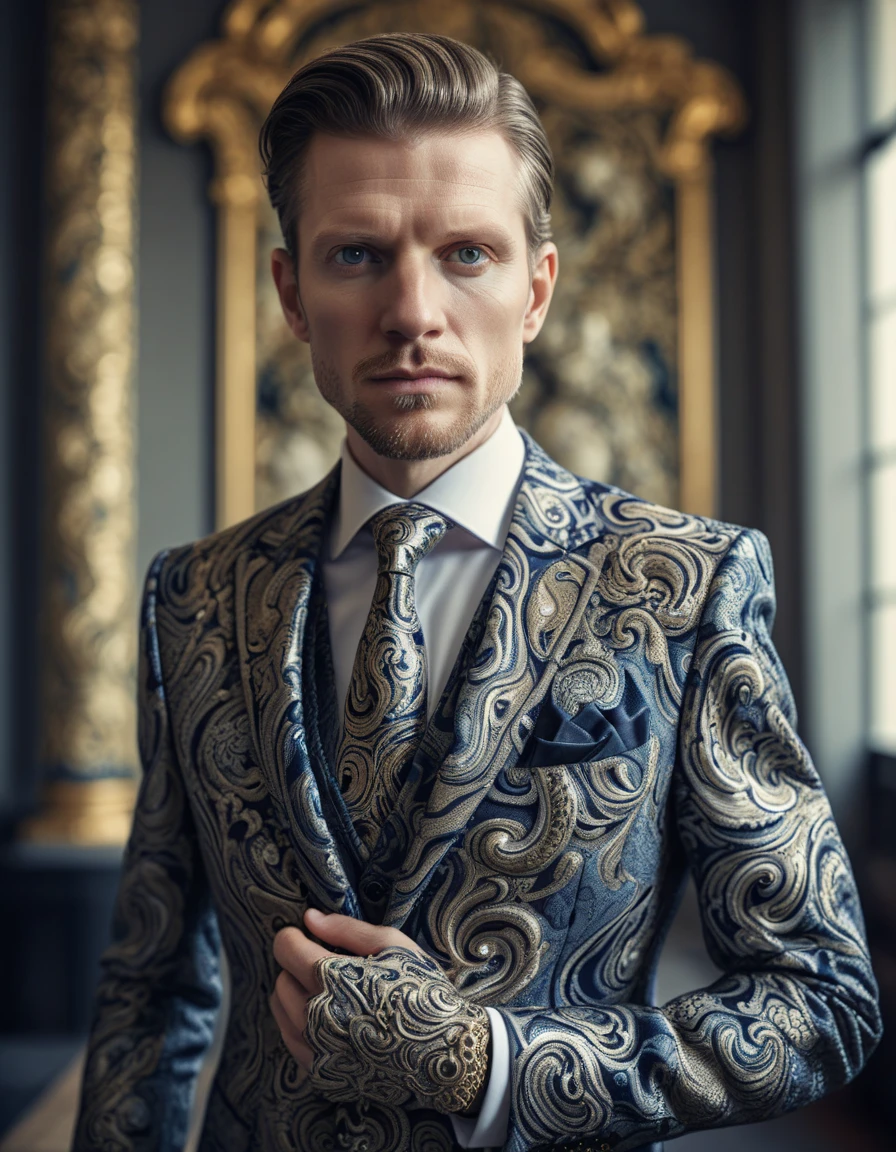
(539, 887)
(392, 1026)
(385, 710)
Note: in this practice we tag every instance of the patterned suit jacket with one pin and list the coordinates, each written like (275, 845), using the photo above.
(538, 863)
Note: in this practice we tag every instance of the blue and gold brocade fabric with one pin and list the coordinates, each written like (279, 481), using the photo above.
(617, 715)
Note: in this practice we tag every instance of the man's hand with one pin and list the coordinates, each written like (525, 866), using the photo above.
(297, 954)
(387, 1027)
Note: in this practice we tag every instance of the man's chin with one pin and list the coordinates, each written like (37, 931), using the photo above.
(418, 433)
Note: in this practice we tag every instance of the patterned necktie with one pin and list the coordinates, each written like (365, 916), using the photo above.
(385, 709)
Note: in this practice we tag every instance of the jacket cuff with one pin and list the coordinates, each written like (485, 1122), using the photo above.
(489, 1128)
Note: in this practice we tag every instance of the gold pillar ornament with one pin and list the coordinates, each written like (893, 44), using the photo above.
(89, 604)
(627, 113)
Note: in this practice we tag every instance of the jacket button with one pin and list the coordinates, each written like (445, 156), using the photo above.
(374, 890)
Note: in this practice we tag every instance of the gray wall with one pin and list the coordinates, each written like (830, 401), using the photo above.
(176, 293)
(6, 373)
(21, 117)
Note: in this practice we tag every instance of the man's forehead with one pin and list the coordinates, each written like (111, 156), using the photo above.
(478, 165)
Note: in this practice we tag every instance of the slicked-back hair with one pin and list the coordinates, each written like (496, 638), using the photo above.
(397, 86)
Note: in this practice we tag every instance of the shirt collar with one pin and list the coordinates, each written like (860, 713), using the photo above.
(477, 492)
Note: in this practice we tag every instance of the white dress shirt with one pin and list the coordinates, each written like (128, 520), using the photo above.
(477, 494)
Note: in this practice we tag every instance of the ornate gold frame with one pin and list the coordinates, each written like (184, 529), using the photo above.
(226, 86)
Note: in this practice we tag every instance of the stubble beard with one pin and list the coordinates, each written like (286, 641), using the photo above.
(404, 438)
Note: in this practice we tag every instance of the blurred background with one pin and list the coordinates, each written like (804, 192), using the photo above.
(724, 340)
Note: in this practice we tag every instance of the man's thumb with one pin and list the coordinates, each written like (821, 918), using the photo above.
(357, 937)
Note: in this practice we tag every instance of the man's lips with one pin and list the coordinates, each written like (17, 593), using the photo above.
(406, 383)
(412, 373)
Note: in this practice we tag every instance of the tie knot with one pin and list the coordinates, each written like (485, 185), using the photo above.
(404, 533)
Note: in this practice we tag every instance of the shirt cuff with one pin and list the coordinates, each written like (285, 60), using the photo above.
(489, 1128)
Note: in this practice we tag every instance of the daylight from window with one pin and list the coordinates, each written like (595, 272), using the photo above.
(881, 361)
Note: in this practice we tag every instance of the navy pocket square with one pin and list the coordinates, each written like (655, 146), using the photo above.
(592, 734)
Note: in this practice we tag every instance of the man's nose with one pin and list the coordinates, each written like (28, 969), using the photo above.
(413, 303)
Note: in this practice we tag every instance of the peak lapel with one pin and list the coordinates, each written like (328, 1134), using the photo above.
(540, 593)
(274, 580)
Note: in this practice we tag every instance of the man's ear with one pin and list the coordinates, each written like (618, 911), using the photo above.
(544, 277)
(284, 272)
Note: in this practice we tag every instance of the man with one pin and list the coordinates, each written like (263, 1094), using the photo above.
(429, 747)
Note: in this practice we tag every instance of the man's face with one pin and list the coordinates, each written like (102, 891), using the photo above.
(414, 290)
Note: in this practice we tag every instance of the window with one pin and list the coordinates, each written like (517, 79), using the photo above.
(879, 155)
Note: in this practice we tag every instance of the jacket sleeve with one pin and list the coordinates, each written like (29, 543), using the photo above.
(160, 987)
(795, 1013)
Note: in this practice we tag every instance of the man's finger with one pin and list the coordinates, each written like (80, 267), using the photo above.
(293, 998)
(357, 937)
(297, 954)
(294, 1041)
(291, 1033)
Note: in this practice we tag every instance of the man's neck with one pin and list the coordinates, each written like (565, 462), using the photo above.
(406, 478)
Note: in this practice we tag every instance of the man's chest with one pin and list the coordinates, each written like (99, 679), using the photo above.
(558, 877)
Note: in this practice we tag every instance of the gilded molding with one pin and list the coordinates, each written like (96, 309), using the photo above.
(223, 90)
(90, 603)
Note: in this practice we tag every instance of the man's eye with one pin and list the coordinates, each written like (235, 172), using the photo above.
(469, 254)
(351, 254)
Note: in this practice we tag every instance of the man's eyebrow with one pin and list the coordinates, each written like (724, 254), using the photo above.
(333, 235)
(482, 228)
(489, 229)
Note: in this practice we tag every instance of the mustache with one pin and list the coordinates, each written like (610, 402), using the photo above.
(389, 361)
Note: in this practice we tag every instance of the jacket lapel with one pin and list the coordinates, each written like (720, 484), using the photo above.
(539, 595)
(273, 588)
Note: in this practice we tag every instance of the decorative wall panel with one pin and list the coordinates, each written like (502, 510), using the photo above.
(89, 608)
(619, 385)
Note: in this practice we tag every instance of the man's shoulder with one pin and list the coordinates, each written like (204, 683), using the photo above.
(654, 554)
(278, 531)
(595, 508)
(630, 513)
